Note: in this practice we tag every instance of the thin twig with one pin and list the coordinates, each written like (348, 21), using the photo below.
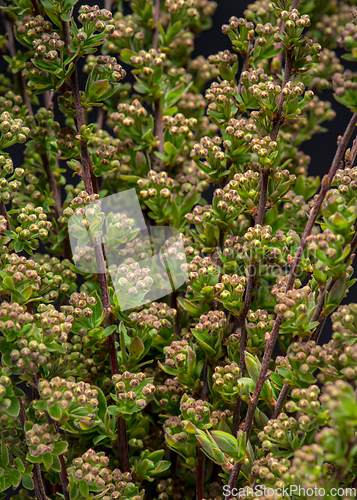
(245, 64)
(325, 186)
(281, 401)
(56, 193)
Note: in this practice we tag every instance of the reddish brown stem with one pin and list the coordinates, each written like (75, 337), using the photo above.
(325, 186)
(89, 178)
(56, 193)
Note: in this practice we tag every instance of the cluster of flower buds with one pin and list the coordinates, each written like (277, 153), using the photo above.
(12, 130)
(238, 135)
(133, 391)
(67, 143)
(23, 272)
(344, 86)
(13, 104)
(128, 115)
(202, 277)
(220, 418)
(66, 398)
(321, 72)
(280, 434)
(92, 19)
(338, 362)
(209, 333)
(32, 227)
(191, 104)
(44, 128)
(265, 149)
(269, 470)
(258, 324)
(55, 325)
(348, 39)
(230, 291)
(240, 31)
(298, 367)
(296, 210)
(329, 27)
(296, 307)
(91, 473)
(179, 9)
(156, 187)
(178, 130)
(190, 176)
(294, 23)
(13, 317)
(180, 441)
(309, 468)
(346, 181)
(157, 318)
(209, 155)
(148, 60)
(6, 390)
(9, 185)
(41, 439)
(131, 281)
(57, 267)
(330, 253)
(172, 489)
(27, 356)
(196, 412)
(344, 323)
(180, 361)
(226, 382)
(221, 102)
(204, 70)
(33, 27)
(305, 401)
(105, 158)
(339, 215)
(127, 34)
(168, 396)
(48, 47)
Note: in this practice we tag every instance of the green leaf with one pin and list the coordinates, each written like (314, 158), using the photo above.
(55, 412)
(56, 464)
(96, 90)
(8, 283)
(126, 54)
(27, 482)
(60, 447)
(136, 347)
(19, 464)
(47, 460)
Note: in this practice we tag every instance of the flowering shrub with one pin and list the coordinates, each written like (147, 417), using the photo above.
(111, 388)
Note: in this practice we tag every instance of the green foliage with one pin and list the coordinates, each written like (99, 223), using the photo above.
(104, 391)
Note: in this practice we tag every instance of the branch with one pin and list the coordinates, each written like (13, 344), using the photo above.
(89, 178)
(325, 186)
(259, 220)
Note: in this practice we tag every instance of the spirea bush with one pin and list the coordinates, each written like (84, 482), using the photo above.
(112, 385)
